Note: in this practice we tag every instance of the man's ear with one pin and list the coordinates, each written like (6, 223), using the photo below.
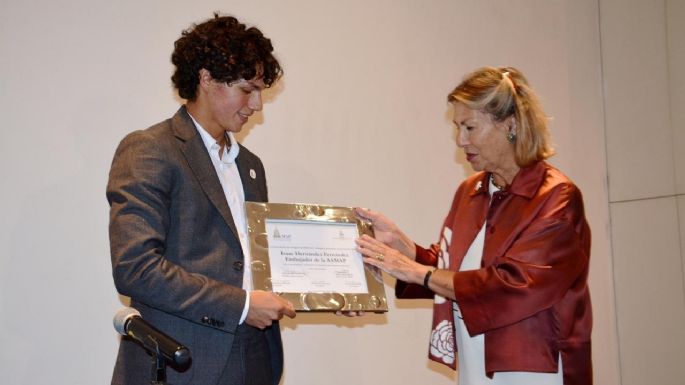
(205, 78)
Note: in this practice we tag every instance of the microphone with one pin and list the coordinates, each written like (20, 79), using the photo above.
(128, 322)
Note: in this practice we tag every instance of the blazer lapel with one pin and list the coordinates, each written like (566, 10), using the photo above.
(248, 177)
(195, 152)
(468, 221)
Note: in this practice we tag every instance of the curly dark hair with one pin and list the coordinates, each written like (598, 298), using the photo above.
(227, 49)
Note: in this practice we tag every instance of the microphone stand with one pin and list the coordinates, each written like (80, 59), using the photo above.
(158, 368)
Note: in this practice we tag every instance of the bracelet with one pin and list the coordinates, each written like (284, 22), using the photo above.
(428, 277)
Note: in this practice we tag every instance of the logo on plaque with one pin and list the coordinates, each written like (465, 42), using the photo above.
(281, 237)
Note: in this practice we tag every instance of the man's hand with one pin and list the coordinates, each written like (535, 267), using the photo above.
(267, 307)
(350, 313)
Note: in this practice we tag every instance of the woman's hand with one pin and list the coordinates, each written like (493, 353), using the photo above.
(387, 232)
(391, 261)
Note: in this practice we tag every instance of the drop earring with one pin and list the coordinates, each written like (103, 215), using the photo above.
(511, 137)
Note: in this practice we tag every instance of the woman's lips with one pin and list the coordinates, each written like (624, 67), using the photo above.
(470, 157)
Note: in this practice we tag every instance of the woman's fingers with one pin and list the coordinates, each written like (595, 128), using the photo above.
(367, 215)
(374, 252)
(370, 242)
(371, 247)
(363, 213)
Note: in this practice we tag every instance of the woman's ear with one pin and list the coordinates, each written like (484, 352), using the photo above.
(511, 129)
(510, 125)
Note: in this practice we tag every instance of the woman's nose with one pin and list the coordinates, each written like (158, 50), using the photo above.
(462, 139)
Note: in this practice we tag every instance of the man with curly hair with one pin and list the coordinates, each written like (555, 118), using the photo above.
(178, 233)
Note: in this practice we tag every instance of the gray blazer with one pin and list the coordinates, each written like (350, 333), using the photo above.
(175, 249)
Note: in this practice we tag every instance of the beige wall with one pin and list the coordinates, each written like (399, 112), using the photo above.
(360, 118)
(643, 55)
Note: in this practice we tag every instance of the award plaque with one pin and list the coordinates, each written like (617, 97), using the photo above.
(307, 254)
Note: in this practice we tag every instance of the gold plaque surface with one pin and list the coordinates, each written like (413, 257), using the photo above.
(305, 253)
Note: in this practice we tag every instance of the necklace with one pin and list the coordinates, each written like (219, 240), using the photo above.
(492, 179)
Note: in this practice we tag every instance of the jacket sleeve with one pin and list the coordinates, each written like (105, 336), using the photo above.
(535, 272)
(406, 290)
(141, 185)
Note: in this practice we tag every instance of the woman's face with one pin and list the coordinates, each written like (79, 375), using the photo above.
(484, 140)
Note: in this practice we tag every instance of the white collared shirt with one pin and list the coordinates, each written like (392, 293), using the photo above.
(227, 170)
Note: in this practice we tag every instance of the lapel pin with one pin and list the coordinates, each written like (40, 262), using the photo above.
(253, 174)
(479, 185)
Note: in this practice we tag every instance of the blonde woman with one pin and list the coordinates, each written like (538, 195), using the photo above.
(509, 273)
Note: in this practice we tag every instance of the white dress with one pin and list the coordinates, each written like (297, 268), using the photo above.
(471, 350)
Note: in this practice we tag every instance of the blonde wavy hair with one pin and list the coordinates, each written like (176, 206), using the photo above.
(504, 92)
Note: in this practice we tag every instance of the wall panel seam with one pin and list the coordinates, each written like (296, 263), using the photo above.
(646, 198)
(607, 183)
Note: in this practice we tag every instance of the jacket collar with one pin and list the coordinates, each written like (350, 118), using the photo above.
(197, 156)
(526, 183)
(183, 126)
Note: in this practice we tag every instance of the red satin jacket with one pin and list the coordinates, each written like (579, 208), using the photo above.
(530, 297)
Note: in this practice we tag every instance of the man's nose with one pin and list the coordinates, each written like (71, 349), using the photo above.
(255, 102)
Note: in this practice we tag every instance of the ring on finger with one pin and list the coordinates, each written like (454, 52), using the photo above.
(380, 257)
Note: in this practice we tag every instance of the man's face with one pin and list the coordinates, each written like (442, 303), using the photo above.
(231, 105)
